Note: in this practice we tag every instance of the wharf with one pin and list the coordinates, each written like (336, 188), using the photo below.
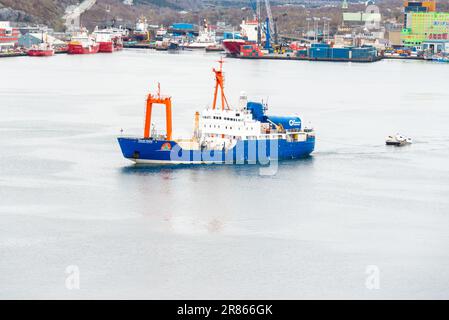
(15, 54)
(286, 57)
(403, 58)
(139, 46)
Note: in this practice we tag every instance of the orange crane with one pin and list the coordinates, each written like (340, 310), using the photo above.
(158, 100)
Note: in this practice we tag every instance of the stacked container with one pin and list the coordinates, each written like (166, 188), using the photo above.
(340, 53)
(251, 51)
(301, 53)
(322, 51)
(364, 53)
(319, 51)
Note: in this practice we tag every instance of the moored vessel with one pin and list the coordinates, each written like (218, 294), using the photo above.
(161, 33)
(41, 50)
(108, 40)
(82, 43)
(206, 38)
(141, 32)
(215, 48)
(249, 34)
(222, 135)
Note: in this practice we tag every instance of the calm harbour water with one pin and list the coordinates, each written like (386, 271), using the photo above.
(68, 198)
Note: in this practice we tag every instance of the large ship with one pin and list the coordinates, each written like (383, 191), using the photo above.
(109, 40)
(222, 135)
(141, 32)
(248, 36)
(82, 43)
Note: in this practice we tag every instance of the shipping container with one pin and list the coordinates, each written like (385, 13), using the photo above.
(320, 45)
(183, 26)
(251, 51)
(364, 53)
(319, 53)
(339, 53)
(301, 53)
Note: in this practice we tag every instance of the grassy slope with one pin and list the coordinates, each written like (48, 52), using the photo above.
(43, 11)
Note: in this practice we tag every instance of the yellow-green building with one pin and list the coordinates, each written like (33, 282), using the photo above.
(423, 26)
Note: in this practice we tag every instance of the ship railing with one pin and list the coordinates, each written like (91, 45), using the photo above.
(272, 135)
(155, 138)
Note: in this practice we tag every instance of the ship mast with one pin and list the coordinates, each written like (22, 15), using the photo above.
(219, 84)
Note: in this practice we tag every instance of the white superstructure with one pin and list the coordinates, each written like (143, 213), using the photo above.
(103, 35)
(236, 124)
(250, 30)
(206, 38)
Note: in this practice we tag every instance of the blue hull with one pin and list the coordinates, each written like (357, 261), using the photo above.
(247, 151)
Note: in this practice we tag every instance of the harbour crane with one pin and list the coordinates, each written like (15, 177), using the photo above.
(269, 16)
(269, 27)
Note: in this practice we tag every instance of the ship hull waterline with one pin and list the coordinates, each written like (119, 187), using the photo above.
(79, 49)
(164, 152)
(109, 47)
(41, 53)
(233, 47)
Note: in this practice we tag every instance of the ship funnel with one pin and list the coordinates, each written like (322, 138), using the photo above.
(243, 100)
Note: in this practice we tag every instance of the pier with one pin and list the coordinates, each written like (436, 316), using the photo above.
(296, 58)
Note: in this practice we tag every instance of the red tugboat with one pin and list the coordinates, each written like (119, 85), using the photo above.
(41, 50)
(82, 43)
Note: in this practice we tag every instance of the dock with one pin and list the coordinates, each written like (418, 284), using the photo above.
(13, 54)
(403, 58)
(296, 58)
(139, 46)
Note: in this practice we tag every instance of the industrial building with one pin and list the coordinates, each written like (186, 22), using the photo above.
(9, 36)
(422, 22)
(30, 39)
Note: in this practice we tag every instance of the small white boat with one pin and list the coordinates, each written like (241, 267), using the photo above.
(398, 140)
